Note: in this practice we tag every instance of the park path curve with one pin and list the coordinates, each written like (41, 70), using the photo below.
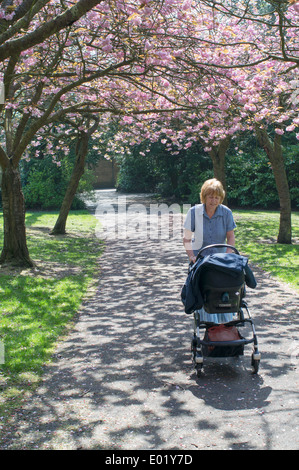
(123, 378)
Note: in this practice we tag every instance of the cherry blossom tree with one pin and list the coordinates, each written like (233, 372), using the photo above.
(268, 77)
(198, 62)
(60, 59)
(241, 73)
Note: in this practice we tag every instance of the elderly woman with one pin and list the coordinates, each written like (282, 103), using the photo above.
(212, 221)
(206, 224)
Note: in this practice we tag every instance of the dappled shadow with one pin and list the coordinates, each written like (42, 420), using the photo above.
(124, 379)
(223, 391)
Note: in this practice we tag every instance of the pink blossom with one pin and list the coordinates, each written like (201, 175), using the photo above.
(189, 144)
(128, 120)
(249, 107)
(136, 20)
(279, 131)
(10, 105)
(223, 106)
(296, 6)
(107, 47)
(186, 5)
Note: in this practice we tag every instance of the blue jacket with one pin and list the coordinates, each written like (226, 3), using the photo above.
(191, 295)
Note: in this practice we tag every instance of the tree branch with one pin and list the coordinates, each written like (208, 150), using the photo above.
(37, 36)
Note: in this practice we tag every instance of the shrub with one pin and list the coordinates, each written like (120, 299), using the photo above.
(251, 183)
(45, 183)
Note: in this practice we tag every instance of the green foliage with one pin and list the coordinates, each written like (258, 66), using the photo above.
(157, 170)
(137, 172)
(250, 180)
(249, 176)
(45, 186)
(45, 183)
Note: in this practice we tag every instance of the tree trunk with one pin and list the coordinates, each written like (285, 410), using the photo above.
(15, 251)
(217, 155)
(274, 152)
(78, 170)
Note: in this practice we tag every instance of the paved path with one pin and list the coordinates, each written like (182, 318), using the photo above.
(123, 378)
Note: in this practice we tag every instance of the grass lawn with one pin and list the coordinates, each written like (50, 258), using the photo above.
(38, 305)
(256, 236)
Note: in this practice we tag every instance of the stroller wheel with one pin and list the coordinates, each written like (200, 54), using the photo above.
(197, 358)
(193, 349)
(198, 369)
(255, 363)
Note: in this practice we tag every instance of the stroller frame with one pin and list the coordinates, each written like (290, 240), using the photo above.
(200, 347)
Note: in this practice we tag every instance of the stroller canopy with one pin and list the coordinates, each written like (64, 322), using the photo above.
(236, 266)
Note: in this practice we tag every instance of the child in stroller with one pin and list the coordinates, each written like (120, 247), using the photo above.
(216, 283)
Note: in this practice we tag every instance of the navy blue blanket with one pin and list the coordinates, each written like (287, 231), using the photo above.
(225, 262)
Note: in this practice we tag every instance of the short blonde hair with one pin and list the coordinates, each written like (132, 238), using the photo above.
(212, 186)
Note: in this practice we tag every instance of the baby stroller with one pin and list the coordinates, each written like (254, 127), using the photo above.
(217, 283)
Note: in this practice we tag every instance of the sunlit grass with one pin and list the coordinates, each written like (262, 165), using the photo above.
(256, 236)
(38, 305)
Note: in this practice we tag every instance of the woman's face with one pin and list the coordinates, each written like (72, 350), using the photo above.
(212, 201)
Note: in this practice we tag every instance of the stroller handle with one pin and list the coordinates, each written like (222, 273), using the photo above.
(220, 245)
